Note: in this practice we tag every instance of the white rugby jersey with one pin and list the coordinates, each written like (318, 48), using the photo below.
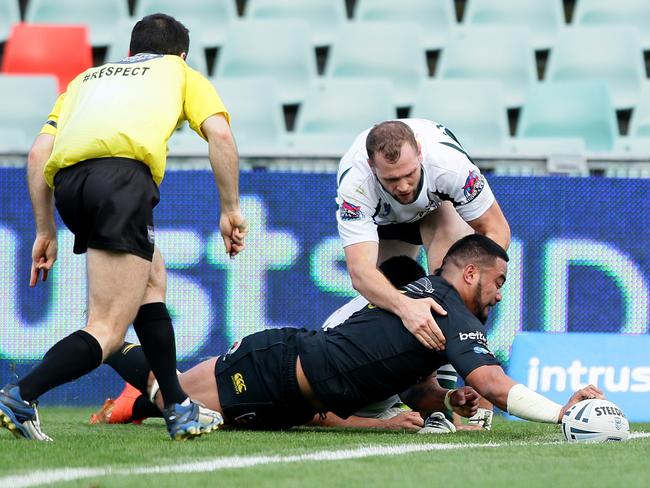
(447, 172)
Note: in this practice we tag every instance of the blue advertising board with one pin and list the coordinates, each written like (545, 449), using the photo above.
(555, 365)
(579, 263)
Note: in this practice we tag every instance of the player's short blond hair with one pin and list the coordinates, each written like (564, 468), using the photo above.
(388, 138)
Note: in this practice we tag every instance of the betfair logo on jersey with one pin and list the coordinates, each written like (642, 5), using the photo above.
(238, 383)
(477, 335)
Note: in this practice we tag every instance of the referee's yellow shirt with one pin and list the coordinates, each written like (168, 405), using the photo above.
(128, 109)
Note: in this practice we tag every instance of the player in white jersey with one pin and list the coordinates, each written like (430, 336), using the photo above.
(403, 184)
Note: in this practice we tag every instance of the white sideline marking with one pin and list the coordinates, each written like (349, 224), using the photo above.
(44, 477)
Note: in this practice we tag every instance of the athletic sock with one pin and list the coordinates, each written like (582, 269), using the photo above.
(143, 408)
(447, 378)
(153, 325)
(131, 364)
(70, 358)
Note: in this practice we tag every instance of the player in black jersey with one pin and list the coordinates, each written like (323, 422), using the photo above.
(279, 378)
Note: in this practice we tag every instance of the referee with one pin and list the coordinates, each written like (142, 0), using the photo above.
(100, 158)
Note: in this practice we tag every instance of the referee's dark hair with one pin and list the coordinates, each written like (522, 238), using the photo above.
(159, 34)
(401, 270)
(474, 248)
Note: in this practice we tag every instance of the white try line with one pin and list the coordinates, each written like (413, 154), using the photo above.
(43, 477)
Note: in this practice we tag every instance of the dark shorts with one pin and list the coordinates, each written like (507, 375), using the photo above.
(409, 232)
(257, 383)
(108, 204)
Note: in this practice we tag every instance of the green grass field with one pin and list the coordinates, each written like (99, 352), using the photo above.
(513, 454)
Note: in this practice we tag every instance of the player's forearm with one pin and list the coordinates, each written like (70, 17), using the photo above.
(425, 397)
(352, 422)
(374, 286)
(39, 193)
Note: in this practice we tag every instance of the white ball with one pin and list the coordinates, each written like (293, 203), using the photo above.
(595, 421)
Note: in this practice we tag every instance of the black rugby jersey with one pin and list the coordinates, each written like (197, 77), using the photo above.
(372, 355)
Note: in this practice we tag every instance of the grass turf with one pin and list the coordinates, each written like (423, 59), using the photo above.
(528, 455)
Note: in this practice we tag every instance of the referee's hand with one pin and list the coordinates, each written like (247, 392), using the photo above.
(233, 227)
(44, 252)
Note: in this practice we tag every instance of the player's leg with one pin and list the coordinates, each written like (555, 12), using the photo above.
(439, 230)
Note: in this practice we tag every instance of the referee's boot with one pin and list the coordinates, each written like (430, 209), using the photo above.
(190, 419)
(20, 417)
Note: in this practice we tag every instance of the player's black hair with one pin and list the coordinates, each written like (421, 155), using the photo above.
(401, 270)
(159, 34)
(474, 248)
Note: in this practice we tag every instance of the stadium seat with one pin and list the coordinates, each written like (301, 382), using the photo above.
(474, 110)
(119, 48)
(630, 13)
(372, 49)
(278, 49)
(640, 120)
(544, 17)
(325, 17)
(435, 18)
(25, 104)
(9, 15)
(570, 109)
(503, 54)
(61, 50)
(336, 110)
(562, 155)
(612, 54)
(99, 16)
(207, 20)
(256, 112)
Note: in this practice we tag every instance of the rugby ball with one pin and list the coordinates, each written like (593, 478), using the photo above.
(595, 421)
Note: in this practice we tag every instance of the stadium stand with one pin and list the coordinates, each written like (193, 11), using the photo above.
(208, 21)
(119, 48)
(99, 16)
(61, 50)
(640, 120)
(613, 54)
(545, 18)
(325, 17)
(24, 106)
(336, 110)
(9, 15)
(280, 49)
(391, 51)
(257, 118)
(435, 19)
(474, 110)
(503, 54)
(627, 13)
(570, 109)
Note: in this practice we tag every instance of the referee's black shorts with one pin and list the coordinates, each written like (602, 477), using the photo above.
(108, 204)
(257, 383)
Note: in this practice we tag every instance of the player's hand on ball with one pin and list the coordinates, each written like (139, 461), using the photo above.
(464, 401)
(585, 393)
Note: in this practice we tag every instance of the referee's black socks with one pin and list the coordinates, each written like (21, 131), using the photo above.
(131, 364)
(153, 326)
(67, 360)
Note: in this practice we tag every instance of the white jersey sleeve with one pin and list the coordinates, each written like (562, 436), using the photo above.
(343, 313)
(356, 196)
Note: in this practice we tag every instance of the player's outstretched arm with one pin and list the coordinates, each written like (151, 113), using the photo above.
(361, 260)
(492, 383)
(404, 421)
